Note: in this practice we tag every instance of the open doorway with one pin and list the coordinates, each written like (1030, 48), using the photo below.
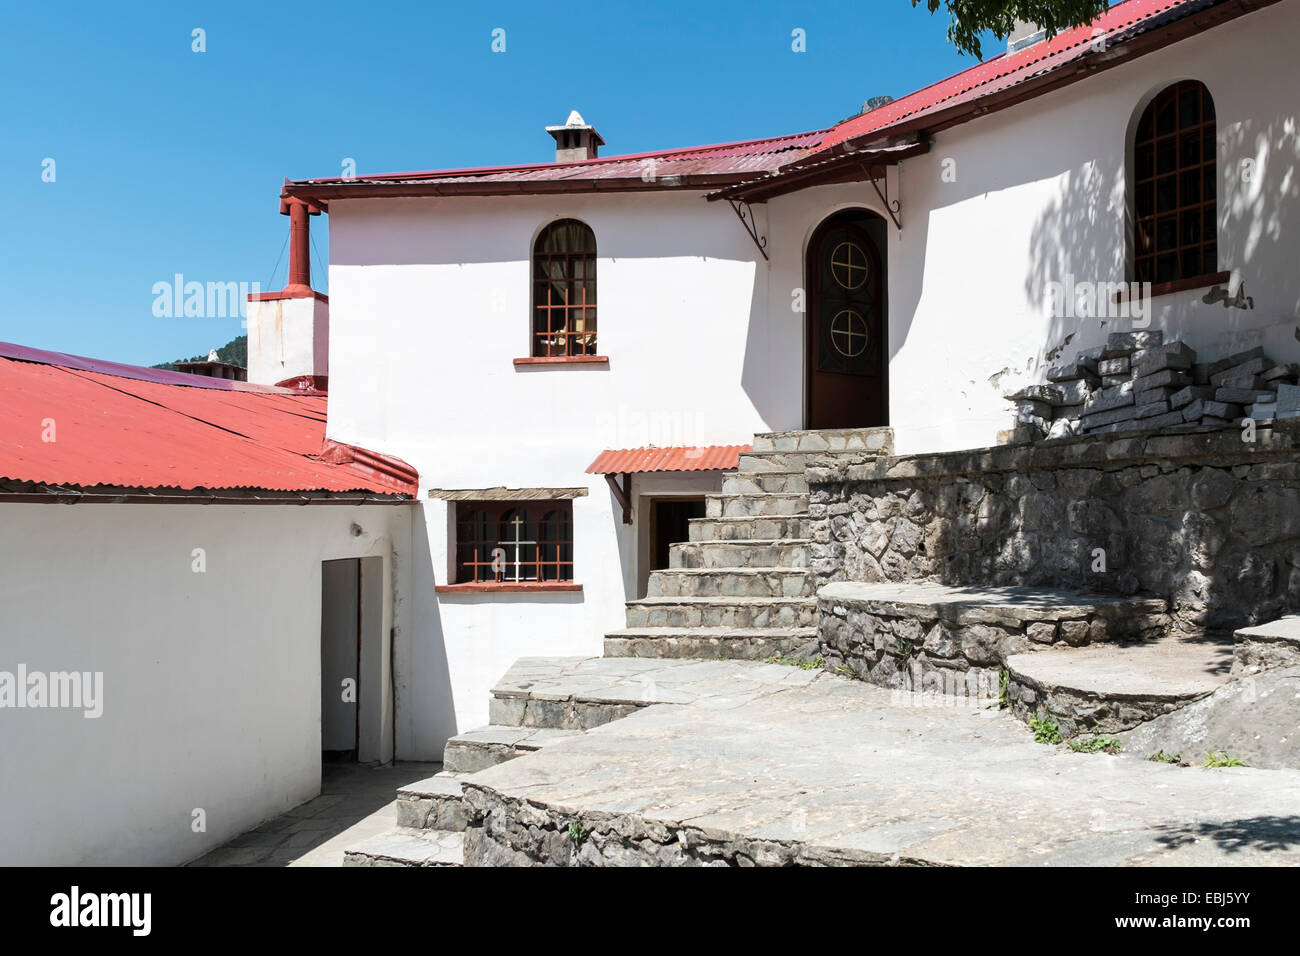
(667, 522)
(340, 660)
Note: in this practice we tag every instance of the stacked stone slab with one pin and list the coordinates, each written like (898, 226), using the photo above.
(1137, 381)
(740, 588)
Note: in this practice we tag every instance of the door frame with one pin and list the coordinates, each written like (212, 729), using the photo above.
(808, 356)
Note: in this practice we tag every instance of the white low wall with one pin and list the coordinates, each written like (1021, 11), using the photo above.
(211, 680)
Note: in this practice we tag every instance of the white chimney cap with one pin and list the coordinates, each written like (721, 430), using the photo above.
(575, 119)
(212, 355)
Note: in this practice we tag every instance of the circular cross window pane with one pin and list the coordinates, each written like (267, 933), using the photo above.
(849, 333)
(849, 265)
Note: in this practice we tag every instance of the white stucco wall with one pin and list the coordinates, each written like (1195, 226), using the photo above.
(430, 304)
(211, 681)
(1040, 194)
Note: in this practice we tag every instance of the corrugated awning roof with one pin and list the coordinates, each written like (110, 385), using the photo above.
(142, 428)
(634, 461)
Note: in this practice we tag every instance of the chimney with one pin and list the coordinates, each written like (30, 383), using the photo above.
(576, 140)
(288, 331)
(1023, 35)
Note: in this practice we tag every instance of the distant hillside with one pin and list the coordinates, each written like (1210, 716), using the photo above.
(234, 352)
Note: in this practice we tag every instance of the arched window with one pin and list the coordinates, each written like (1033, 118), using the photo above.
(1175, 186)
(564, 290)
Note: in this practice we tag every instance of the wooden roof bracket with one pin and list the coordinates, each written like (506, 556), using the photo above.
(746, 215)
(623, 495)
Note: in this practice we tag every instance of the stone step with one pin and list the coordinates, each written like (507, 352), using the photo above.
(792, 553)
(408, 847)
(1260, 648)
(924, 636)
(713, 643)
(755, 505)
(578, 693)
(731, 582)
(431, 804)
(1114, 687)
(750, 528)
(877, 441)
(488, 746)
(722, 612)
(762, 483)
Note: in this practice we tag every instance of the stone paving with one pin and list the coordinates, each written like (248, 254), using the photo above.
(356, 802)
(749, 767)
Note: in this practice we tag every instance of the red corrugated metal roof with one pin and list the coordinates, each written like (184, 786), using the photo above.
(999, 73)
(187, 432)
(754, 159)
(638, 460)
(748, 156)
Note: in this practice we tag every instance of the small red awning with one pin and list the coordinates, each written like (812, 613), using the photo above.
(635, 461)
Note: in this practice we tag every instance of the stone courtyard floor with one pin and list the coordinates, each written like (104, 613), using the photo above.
(747, 761)
(356, 802)
(831, 768)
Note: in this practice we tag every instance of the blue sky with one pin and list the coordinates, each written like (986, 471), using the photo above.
(169, 161)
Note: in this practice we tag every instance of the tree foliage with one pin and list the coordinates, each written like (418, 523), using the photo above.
(970, 18)
(234, 352)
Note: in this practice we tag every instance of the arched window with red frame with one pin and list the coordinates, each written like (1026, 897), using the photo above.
(1175, 187)
(564, 290)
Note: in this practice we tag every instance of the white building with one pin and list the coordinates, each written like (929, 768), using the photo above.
(954, 212)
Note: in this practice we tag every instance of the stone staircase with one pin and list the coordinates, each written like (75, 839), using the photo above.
(740, 588)
(539, 702)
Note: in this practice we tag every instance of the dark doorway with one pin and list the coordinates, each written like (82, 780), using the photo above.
(340, 659)
(671, 525)
(845, 351)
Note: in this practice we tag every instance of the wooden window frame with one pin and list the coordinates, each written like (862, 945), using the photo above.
(536, 552)
(572, 318)
(1191, 258)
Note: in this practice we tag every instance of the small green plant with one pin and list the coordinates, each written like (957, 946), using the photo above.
(844, 670)
(803, 665)
(1161, 757)
(1096, 745)
(1046, 730)
(1221, 758)
(1004, 692)
(577, 833)
(904, 648)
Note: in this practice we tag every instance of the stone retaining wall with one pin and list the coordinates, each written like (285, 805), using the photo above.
(1202, 518)
(961, 651)
(504, 831)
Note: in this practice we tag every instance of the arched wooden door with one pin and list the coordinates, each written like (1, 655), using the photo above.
(845, 352)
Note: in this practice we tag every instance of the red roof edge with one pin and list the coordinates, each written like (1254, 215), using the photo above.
(527, 167)
(22, 353)
(386, 469)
